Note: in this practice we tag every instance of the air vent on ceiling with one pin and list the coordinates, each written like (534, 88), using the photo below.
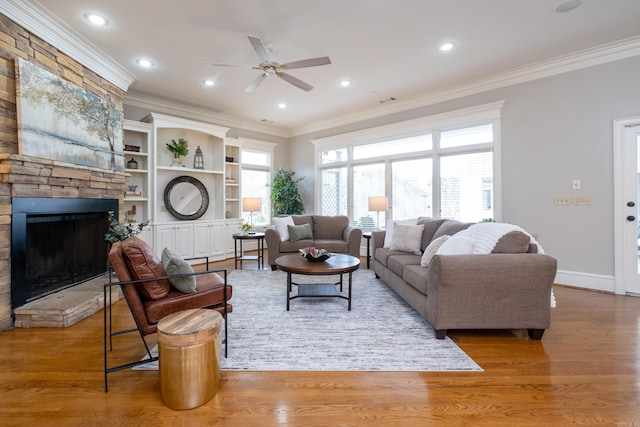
(384, 101)
(267, 121)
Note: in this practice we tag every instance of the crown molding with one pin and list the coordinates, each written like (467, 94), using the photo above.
(35, 18)
(609, 52)
(210, 116)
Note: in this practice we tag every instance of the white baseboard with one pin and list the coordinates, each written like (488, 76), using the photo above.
(596, 282)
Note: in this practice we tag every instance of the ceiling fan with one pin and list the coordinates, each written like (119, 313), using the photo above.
(271, 68)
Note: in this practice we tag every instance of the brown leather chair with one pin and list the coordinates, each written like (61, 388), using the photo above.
(151, 297)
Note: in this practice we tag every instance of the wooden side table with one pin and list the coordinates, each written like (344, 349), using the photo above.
(240, 237)
(189, 349)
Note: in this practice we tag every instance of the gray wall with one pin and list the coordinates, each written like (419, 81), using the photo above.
(554, 130)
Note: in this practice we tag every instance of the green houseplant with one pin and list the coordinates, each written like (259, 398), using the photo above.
(285, 194)
(118, 232)
(178, 148)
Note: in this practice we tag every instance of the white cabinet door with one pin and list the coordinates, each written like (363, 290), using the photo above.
(177, 237)
(209, 239)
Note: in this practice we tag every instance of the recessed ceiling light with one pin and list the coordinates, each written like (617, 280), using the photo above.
(446, 47)
(345, 83)
(282, 105)
(145, 63)
(568, 5)
(209, 83)
(96, 19)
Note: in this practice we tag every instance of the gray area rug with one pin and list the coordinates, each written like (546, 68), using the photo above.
(380, 333)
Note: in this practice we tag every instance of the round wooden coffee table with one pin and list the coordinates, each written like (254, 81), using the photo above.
(337, 264)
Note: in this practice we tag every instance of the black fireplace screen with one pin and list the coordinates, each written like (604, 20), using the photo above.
(63, 250)
(56, 243)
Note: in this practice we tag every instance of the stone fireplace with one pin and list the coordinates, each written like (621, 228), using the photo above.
(66, 187)
(29, 177)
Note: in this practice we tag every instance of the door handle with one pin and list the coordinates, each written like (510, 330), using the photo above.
(631, 218)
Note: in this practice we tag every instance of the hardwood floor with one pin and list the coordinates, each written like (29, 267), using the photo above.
(585, 371)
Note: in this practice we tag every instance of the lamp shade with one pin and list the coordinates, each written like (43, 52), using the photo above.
(377, 203)
(251, 204)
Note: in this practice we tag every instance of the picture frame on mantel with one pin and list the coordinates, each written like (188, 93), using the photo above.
(58, 120)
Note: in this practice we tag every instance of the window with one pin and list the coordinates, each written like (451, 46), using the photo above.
(256, 162)
(441, 166)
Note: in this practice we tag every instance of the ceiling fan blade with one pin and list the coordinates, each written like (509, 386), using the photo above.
(215, 64)
(312, 62)
(255, 83)
(258, 46)
(295, 81)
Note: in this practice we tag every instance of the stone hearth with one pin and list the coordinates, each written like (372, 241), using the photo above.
(67, 307)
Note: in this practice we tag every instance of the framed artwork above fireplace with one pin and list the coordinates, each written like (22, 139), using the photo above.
(61, 121)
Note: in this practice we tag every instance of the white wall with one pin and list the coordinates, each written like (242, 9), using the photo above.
(554, 130)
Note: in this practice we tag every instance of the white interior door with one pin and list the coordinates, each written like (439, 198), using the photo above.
(627, 210)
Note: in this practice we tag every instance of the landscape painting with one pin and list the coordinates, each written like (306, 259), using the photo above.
(60, 121)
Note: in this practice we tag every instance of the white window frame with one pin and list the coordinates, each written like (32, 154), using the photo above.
(258, 146)
(467, 117)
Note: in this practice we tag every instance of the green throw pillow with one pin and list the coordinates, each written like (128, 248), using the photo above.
(299, 232)
(173, 264)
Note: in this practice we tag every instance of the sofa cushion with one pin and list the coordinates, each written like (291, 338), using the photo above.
(339, 246)
(430, 227)
(431, 250)
(173, 264)
(513, 242)
(329, 227)
(407, 238)
(143, 263)
(450, 227)
(398, 261)
(281, 223)
(416, 276)
(382, 255)
(290, 246)
(299, 232)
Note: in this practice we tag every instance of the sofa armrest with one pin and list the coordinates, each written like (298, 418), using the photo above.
(272, 238)
(353, 237)
(490, 291)
(377, 240)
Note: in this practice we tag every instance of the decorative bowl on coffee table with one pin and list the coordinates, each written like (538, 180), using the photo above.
(315, 255)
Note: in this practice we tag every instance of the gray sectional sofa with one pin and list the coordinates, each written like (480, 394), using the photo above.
(333, 233)
(509, 288)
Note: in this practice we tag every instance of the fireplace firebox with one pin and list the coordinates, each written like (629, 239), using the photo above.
(56, 243)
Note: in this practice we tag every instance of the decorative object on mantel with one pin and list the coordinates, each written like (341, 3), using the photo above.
(198, 159)
(178, 148)
(119, 232)
(132, 148)
(132, 164)
(315, 255)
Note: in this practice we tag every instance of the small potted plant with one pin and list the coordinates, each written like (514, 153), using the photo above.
(120, 231)
(246, 227)
(178, 148)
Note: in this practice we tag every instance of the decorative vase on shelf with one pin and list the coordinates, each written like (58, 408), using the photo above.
(176, 162)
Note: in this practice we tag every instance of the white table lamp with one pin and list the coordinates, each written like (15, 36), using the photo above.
(377, 204)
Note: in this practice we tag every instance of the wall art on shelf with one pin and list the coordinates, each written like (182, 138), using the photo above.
(60, 121)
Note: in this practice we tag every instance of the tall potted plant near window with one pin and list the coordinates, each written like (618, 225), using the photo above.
(285, 194)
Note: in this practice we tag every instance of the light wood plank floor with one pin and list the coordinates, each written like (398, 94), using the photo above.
(585, 371)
